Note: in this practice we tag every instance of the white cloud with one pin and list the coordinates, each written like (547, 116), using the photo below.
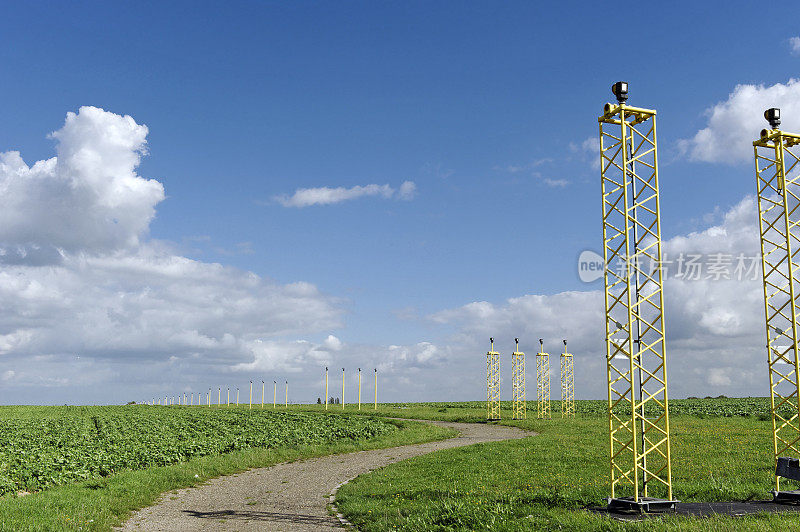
(555, 183)
(332, 343)
(151, 305)
(734, 124)
(794, 44)
(407, 191)
(587, 151)
(88, 198)
(306, 197)
(285, 356)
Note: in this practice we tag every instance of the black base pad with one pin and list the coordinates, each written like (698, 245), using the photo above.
(707, 509)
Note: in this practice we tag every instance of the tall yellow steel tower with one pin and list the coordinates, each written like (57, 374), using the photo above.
(542, 383)
(519, 407)
(567, 384)
(638, 414)
(777, 155)
(492, 383)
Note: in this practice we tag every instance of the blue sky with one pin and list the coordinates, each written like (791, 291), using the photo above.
(487, 108)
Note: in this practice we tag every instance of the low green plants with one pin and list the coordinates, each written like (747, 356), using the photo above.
(68, 444)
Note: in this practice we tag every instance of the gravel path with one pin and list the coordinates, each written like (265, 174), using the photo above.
(290, 496)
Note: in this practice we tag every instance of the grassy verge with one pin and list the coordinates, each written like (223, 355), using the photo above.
(101, 504)
(544, 482)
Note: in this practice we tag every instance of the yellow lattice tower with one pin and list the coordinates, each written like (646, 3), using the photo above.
(518, 408)
(492, 383)
(542, 383)
(567, 384)
(634, 301)
(777, 154)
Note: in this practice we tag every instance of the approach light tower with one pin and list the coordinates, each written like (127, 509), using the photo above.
(518, 408)
(567, 384)
(542, 382)
(641, 469)
(777, 154)
(492, 383)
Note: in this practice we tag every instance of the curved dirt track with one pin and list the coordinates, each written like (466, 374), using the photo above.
(290, 496)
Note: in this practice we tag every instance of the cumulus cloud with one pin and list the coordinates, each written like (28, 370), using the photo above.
(736, 122)
(306, 197)
(88, 198)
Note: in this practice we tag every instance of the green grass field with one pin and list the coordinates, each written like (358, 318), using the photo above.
(722, 452)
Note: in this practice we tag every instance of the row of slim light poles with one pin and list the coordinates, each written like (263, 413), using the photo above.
(359, 388)
(187, 399)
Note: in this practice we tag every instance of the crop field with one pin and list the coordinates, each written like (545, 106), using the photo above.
(41, 447)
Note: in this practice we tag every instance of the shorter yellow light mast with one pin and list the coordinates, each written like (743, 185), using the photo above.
(542, 383)
(492, 383)
(567, 384)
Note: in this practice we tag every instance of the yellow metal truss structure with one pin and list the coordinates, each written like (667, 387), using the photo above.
(567, 384)
(777, 174)
(519, 406)
(492, 383)
(638, 413)
(542, 383)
